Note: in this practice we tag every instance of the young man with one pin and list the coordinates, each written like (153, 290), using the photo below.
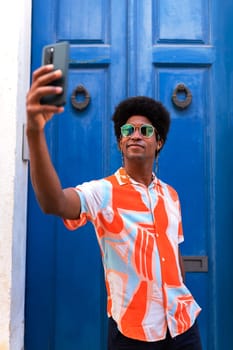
(137, 221)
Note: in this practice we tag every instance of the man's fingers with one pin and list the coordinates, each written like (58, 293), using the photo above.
(41, 71)
(34, 109)
(45, 75)
(34, 96)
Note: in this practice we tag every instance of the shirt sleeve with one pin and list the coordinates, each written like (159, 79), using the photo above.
(92, 200)
(176, 204)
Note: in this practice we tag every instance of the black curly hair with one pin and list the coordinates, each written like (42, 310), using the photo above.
(145, 106)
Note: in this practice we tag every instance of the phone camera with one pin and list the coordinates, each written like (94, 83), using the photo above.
(49, 55)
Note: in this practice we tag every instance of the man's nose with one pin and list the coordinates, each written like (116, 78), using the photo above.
(136, 133)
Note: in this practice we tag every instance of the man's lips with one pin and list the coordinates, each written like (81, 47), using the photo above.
(135, 145)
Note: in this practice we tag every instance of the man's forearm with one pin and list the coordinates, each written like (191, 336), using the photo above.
(44, 178)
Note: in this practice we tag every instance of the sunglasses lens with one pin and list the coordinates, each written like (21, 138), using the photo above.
(147, 130)
(127, 130)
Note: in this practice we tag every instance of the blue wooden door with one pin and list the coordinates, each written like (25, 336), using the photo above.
(120, 48)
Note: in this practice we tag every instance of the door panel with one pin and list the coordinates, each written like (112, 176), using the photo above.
(65, 292)
(83, 22)
(179, 55)
(182, 20)
(187, 171)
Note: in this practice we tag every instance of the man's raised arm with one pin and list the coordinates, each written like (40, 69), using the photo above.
(46, 184)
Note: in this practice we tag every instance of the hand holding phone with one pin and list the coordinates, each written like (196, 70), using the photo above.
(58, 55)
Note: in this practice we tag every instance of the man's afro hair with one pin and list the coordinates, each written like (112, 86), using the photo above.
(144, 106)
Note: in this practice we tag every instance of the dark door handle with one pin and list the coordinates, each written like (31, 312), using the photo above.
(197, 263)
(80, 91)
(177, 101)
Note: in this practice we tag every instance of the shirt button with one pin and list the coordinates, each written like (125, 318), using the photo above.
(157, 235)
(163, 259)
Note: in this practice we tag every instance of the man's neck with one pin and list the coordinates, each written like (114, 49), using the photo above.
(140, 174)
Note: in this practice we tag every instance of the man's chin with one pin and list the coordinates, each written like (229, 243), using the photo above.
(136, 157)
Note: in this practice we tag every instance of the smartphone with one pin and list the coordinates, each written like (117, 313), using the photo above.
(58, 55)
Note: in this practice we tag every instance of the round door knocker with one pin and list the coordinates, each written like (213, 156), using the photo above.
(182, 103)
(80, 105)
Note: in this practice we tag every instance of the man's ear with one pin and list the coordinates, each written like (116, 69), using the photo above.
(159, 145)
(119, 144)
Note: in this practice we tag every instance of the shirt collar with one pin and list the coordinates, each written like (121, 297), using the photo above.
(124, 178)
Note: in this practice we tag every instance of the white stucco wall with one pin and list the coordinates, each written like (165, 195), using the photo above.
(15, 30)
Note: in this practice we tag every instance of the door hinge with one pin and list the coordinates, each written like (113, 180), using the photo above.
(25, 149)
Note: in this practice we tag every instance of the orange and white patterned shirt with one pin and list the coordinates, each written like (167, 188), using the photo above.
(138, 229)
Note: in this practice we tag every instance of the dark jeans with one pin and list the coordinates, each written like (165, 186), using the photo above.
(190, 340)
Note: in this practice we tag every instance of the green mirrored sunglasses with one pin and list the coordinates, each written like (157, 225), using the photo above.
(146, 130)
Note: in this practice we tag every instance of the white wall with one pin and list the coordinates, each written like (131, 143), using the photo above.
(15, 31)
